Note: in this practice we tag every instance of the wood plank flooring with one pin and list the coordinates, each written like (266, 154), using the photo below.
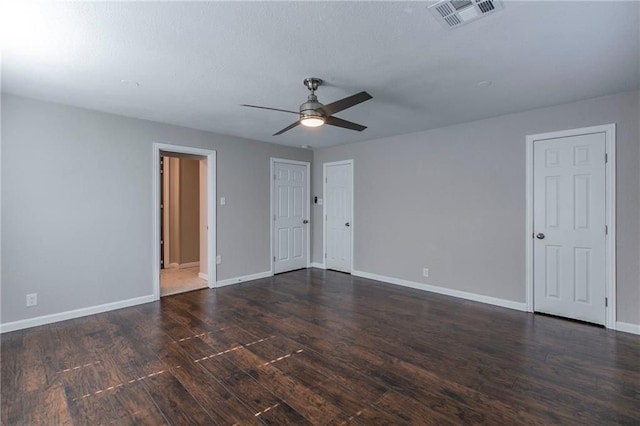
(318, 347)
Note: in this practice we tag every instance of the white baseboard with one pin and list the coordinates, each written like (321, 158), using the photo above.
(238, 280)
(628, 327)
(203, 276)
(76, 313)
(189, 265)
(318, 265)
(519, 306)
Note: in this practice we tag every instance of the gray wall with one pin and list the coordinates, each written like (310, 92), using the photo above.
(453, 200)
(77, 205)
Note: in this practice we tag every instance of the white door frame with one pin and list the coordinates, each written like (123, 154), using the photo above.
(272, 212)
(211, 209)
(609, 131)
(166, 201)
(324, 209)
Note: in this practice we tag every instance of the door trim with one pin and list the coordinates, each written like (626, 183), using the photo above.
(271, 210)
(609, 131)
(211, 209)
(324, 210)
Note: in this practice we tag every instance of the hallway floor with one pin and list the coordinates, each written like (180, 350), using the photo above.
(173, 280)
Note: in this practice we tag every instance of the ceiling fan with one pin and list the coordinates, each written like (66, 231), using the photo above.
(314, 114)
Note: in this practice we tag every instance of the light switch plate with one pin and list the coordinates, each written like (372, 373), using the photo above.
(223, 201)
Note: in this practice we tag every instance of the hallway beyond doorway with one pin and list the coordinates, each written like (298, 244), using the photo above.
(176, 280)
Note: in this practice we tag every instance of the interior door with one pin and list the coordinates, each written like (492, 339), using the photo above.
(338, 211)
(290, 217)
(569, 227)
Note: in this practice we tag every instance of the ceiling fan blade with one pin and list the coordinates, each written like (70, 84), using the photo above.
(345, 103)
(272, 109)
(286, 129)
(339, 122)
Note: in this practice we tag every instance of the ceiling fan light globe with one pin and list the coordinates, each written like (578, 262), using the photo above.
(312, 121)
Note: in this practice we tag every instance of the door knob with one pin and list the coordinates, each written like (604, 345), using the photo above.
(347, 224)
(540, 236)
(305, 221)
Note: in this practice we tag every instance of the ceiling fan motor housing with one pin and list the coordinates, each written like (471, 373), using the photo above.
(311, 109)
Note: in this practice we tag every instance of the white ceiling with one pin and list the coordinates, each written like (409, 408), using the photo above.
(197, 62)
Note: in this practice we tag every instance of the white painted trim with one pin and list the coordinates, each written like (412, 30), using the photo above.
(628, 327)
(318, 265)
(244, 278)
(324, 208)
(211, 209)
(1, 204)
(166, 200)
(203, 276)
(76, 313)
(610, 217)
(272, 201)
(510, 304)
(189, 265)
(529, 224)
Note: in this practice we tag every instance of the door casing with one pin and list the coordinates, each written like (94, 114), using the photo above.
(324, 209)
(609, 131)
(307, 165)
(210, 155)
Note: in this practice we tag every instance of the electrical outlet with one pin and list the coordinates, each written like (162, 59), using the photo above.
(425, 272)
(218, 260)
(32, 299)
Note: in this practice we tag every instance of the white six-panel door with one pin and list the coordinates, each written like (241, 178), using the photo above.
(569, 252)
(290, 216)
(338, 215)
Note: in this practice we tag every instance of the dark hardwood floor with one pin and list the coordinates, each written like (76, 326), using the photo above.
(316, 347)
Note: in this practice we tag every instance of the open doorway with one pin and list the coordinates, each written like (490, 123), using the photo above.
(183, 185)
(184, 219)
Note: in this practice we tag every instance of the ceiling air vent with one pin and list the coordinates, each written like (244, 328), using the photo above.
(454, 13)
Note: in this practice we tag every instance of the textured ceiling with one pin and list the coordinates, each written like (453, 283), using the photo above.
(197, 62)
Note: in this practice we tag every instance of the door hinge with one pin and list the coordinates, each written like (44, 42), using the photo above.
(606, 230)
(274, 258)
(274, 217)
(606, 157)
(325, 180)
(606, 302)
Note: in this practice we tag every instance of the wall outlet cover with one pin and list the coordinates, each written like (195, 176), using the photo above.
(32, 299)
